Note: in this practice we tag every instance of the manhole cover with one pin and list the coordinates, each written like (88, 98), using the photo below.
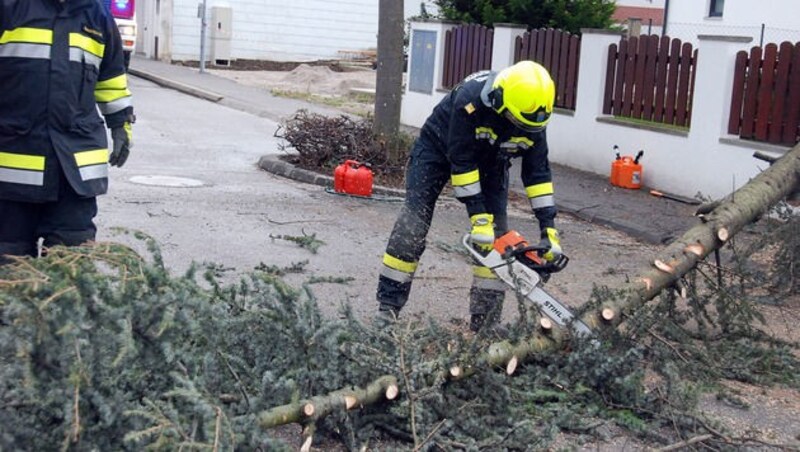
(167, 181)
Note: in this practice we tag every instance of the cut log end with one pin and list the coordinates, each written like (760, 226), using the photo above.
(391, 392)
(723, 235)
(608, 314)
(456, 371)
(546, 324)
(511, 367)
(696, 249)
(308, 409)
(350, 401)
(664, 267)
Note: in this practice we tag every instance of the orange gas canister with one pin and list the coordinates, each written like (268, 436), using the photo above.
(614, 178)
(354, 178)
(630, 172)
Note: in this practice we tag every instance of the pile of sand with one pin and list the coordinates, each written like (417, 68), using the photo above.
(320, 80)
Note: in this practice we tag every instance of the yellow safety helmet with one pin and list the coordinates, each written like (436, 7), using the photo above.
(524, 93)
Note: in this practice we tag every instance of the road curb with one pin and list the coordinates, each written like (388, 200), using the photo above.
(167, 83)
(275, 165)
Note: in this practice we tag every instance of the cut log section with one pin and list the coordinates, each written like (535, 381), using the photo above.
(384, 388)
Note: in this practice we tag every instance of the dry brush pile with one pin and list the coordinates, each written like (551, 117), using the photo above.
(320, 143)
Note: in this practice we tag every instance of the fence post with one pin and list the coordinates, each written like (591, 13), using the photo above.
(505, 38)
(591, 78)
(425, 65)
(716, 58)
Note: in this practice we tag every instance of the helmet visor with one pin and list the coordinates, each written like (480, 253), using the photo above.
(528, 127)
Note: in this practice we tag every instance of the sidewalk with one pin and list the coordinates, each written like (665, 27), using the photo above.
(586, 195)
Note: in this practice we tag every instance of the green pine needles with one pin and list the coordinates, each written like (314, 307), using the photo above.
(103, 349)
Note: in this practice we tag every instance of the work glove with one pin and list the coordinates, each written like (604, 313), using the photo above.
(552, 243)
(482, 234)
(122, 138)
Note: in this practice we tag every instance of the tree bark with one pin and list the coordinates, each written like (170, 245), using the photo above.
(389, 78)
(305, 411)
(737, 210)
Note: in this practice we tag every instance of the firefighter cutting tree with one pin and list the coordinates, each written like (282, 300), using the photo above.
(469, 140)
(59, 61)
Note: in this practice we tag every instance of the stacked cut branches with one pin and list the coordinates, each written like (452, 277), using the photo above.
(719, 225)
(323, 142)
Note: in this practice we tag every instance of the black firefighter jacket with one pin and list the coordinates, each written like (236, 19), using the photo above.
(59, 62)
(466, 128)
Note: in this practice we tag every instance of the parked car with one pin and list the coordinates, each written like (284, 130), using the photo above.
(124, 12)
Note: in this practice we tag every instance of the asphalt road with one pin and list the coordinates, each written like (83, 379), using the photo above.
(224, 210)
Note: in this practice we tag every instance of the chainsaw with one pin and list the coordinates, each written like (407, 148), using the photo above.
(520, 266)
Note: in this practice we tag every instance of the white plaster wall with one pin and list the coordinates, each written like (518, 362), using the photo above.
(781, 18)
(277, 30)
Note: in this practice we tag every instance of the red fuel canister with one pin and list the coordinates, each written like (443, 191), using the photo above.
(338, 178)
(354, 178)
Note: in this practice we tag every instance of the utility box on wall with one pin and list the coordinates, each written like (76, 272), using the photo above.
(221, 33)
(423, 59)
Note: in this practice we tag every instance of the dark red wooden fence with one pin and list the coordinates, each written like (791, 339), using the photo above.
(467, 49)
(559, 52)
(765, 101)
(651, 79)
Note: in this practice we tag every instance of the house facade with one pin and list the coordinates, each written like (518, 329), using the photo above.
(765, 21)
(301, 30)
(640, 16)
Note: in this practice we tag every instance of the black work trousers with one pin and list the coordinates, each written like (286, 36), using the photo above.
(427, 174)
(67, 221)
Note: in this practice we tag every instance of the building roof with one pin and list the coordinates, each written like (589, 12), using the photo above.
(623, 13)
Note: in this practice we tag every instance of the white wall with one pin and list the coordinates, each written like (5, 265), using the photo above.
(781, 19)
(298, 30)
(703, 160)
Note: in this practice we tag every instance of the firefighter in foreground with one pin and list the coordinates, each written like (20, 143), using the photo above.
(469, 140)
(59, 61)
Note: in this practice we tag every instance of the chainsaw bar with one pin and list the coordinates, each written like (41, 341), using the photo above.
(527, 282)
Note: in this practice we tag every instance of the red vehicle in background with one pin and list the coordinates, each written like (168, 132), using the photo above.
(124, 12)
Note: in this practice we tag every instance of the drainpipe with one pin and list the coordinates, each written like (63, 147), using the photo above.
(666, 17)
(202, 36)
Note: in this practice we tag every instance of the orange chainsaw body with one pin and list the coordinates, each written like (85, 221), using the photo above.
(514, 240)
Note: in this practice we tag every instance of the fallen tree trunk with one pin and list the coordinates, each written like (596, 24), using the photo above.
(729, 216)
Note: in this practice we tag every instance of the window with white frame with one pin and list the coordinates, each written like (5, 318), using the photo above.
(715, 8)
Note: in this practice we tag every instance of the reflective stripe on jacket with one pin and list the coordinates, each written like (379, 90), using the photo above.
(59, 62)
(468, 130)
